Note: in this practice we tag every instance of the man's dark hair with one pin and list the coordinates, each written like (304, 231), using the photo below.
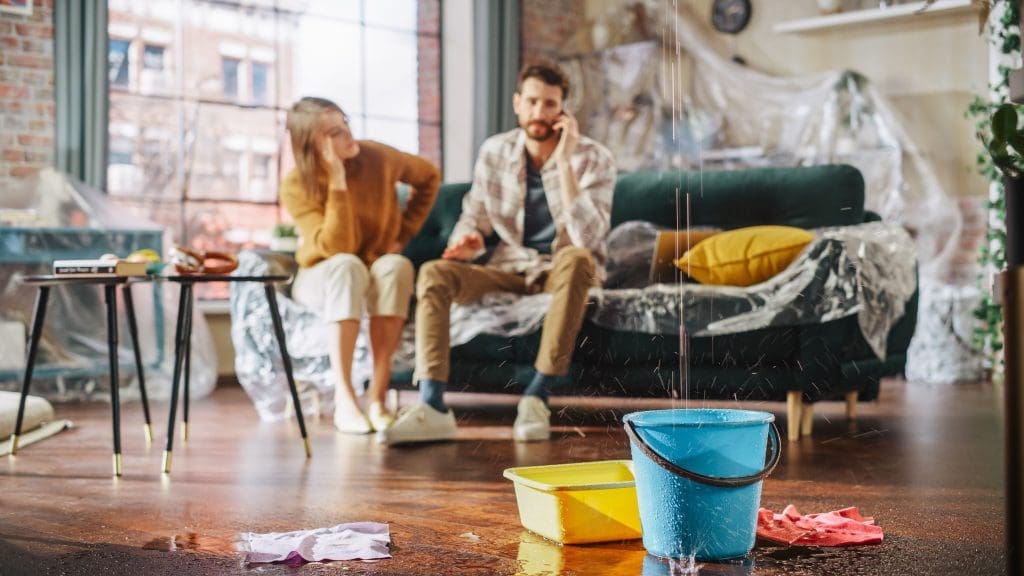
(547, 72)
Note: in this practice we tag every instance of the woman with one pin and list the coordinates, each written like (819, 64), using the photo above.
(342, 198)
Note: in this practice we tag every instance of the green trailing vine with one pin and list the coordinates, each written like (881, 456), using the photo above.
(1004, 36)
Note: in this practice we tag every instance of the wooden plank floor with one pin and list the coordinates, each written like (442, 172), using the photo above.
(925, 461)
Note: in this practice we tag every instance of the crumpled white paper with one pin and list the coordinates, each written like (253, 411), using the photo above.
(352, 541)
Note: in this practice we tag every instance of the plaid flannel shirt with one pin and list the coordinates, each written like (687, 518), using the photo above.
(496, 204)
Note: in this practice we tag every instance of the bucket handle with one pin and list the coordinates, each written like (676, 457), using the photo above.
(773, 441)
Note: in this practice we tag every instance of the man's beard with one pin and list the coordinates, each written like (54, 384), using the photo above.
(545, 134)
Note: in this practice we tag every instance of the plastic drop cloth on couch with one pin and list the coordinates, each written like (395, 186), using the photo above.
(257, 355)
(56, 217)
(868, 270)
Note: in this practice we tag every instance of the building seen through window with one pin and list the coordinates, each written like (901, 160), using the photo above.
(229, 75)
(118, 58)
(199, 90)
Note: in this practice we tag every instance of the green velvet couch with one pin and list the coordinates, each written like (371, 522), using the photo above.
(800, 364)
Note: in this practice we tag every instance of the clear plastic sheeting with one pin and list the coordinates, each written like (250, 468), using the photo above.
(833, 278)
(942, 351)
(867, 270)
(54, 217)
(258, 364)
(825, 283)
(883, 257)
(672, 99)
(630, 250)
(821, 285)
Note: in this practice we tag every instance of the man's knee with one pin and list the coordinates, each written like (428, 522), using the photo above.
(436, 274)
(575, 260)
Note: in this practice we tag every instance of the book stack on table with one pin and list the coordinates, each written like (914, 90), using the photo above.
(98, 268)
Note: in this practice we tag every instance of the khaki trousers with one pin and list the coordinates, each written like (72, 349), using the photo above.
(442, 282)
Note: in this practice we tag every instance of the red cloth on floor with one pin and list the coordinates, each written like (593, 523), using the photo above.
(844, 527)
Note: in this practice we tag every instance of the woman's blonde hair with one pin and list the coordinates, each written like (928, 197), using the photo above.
(302, 122)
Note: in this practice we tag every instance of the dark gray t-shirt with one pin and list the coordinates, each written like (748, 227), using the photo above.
(538, 226)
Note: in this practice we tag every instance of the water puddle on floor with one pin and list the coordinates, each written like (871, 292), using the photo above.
(192, 542)
(815, 559)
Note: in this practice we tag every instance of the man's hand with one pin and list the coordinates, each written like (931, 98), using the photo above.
(334, 166)
(465, 248)
(566, 123)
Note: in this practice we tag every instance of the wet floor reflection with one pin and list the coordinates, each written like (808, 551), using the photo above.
(655, 566)
(192, 542)
(538, 556)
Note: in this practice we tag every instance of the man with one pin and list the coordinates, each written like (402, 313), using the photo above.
(546, 193)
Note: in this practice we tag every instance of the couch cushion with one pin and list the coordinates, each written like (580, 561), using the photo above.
(745, 256)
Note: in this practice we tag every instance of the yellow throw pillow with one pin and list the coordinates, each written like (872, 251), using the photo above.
(745, 256)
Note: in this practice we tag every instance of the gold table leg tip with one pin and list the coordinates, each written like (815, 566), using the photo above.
(167, 462)
(117, 465)
(309, 450)
(14, 444)
(184, 431)
(149, 434)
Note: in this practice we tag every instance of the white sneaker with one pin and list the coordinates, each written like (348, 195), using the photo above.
(419, 422)
(533, 421)
(351, 422)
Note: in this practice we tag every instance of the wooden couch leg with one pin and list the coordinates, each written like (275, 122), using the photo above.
(793, 406)
(806, 419)
(851, 406)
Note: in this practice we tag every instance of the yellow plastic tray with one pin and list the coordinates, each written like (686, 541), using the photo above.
(578, 503)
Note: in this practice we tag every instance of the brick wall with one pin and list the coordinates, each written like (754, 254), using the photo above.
(27, 107)
(546, 26)
(429, 79)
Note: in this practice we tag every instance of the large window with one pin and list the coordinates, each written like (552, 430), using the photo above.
(199, 91)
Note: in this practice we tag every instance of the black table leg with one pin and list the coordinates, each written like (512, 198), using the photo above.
(188, 369)
(37, 329)
(179, 348)
(275, 314)
(129, 306)
(110, 294)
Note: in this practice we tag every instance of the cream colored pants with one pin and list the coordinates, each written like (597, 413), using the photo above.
(341, 287)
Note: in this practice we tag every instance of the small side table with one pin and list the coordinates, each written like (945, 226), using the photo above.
(183, 350)
(109, 283)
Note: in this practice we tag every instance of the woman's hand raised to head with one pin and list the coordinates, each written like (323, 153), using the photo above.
(335, 166)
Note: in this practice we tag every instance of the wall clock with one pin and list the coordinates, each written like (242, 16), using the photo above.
(730, 16)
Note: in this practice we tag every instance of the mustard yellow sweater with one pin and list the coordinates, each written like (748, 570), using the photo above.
(365, 219)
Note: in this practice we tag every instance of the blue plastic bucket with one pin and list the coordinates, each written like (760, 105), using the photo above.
(698, 478)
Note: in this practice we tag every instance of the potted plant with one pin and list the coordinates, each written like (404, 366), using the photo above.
(1007, 143)
(1006, 148)
(283, 238)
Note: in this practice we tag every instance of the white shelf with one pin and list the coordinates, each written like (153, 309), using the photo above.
(892, 13)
